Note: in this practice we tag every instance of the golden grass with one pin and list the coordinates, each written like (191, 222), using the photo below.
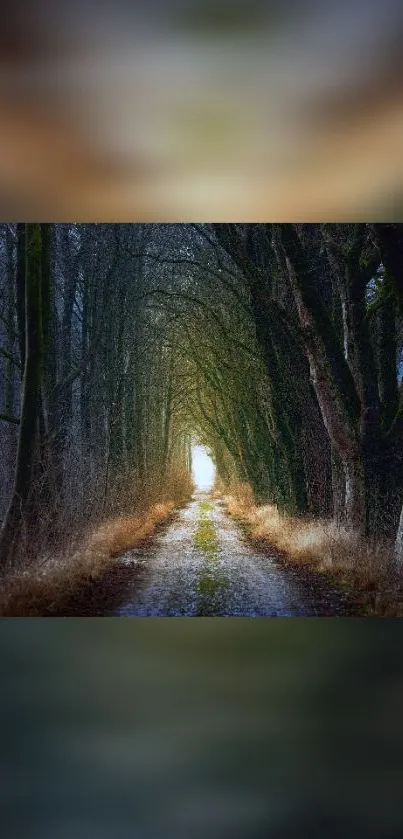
(44, 587)
(320, 545)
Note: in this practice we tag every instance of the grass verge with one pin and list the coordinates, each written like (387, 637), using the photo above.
(43, 588)
(354, 565)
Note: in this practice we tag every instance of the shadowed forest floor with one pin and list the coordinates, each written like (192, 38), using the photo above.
(201, 564)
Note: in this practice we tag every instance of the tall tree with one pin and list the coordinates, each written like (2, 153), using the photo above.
(20, 513)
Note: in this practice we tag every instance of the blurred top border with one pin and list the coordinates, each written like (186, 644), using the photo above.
(241, 111)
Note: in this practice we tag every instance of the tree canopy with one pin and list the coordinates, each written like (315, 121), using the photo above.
(278, 346)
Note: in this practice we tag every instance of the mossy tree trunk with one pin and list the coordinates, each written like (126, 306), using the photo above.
(20, 513)
(20, 285)
(389, 238)
(331, 377)
(256, 252)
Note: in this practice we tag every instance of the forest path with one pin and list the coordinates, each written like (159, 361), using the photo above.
(203, 565)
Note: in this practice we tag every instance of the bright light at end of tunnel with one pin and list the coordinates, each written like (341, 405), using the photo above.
(203, 469)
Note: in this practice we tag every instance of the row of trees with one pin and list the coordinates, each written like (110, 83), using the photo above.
(325, 303)
(278, 346)
(86, 418)
(295, 365)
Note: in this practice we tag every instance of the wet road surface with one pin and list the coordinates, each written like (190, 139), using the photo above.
(202, 565)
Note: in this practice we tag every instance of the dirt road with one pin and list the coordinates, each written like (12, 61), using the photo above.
(202, 565)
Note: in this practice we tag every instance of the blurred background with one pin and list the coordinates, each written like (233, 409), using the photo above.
(174, 110)
(179, 111)
(225, 728)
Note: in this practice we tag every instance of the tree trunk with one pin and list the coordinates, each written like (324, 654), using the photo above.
(20, 291)
(338, 488)
(19, 513)
(10, 407)
(399, 543)
(331, 377)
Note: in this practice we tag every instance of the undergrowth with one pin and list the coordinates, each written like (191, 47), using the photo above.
(47, 585)
(353, 563)
(43, 580)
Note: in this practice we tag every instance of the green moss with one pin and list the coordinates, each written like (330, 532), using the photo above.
(206, 537)
(34, 240)
(211, 579)
(205, 507)
(244, 524)
(209, 584)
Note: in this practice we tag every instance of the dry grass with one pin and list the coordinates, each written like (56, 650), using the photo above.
(47, 577)
(319, 545)
(44, 587)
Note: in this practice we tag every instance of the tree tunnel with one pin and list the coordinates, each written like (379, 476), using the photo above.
(158, 352)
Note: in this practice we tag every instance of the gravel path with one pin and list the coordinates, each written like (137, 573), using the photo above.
(202, 565)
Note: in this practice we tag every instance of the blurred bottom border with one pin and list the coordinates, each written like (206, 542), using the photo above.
(201, 727)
